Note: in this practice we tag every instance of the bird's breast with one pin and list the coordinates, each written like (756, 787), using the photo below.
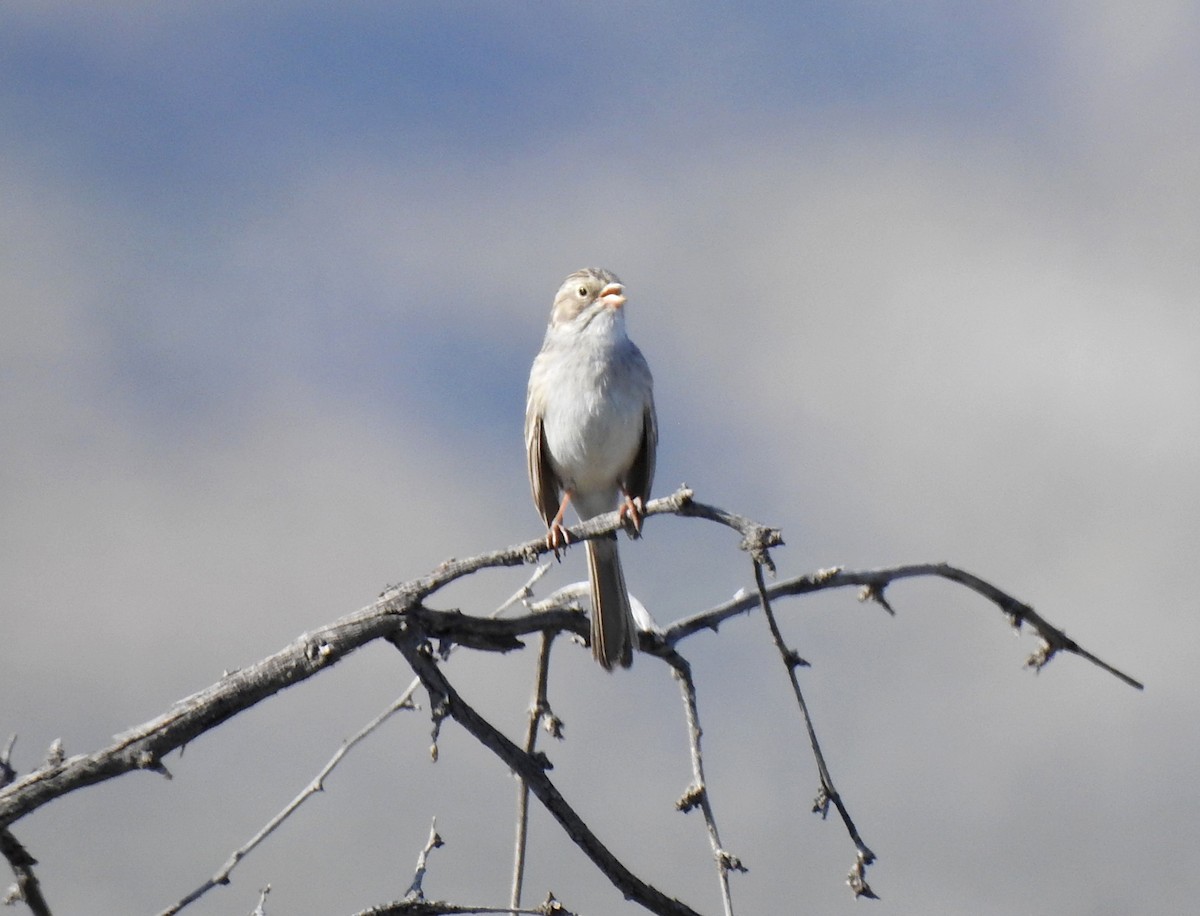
(593, 409)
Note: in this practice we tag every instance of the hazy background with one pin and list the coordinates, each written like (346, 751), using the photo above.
(917, 281)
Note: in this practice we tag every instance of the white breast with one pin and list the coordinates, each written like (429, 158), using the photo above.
(595, 389)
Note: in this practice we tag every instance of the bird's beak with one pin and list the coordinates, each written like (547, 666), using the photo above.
(613, 296)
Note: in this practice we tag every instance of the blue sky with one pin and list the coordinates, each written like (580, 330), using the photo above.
(917, 282)
(486, 75)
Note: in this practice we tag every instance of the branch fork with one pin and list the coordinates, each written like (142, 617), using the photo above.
(401, 616)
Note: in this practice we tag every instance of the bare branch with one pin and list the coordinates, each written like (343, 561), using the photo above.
(874, 581)
(828, 794)
(539, 709)
(404, 701)
(525, 592)
(697, 793)
(415, 891)
(143, 747)
(7, 772)
(401, 616)
(402, 597)
(441, 908)
(415, 648)
(27, 888)
(756, 538)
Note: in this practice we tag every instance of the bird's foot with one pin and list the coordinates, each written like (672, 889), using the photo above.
(631, 510)
(557, 538)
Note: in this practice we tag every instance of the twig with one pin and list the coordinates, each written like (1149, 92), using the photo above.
(143, 747)
(402, 597)
(539, 709)
(404, 701)
(7, 772)
(413, 644)
(415, 891)
(756, 539)
(441, 908)
(261, 909)
(697, 793)
(525, 592)
(27, 888)
(828, 794)
(873, 582)
(401, 616)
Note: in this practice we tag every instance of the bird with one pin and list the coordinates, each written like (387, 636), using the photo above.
(591, 434)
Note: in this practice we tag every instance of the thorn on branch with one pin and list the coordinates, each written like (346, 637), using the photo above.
(439, 709)
(757, 541)
(874, 592)
(318, 652)
(261, 909)
(1040, 658)
(425, 647)
(551, 907)
(553, 724)
(27, 889)
(7, 773)
(147, 761)
(691, 798)
(16, 854)
(821, 803)
(415, 892)
(792, 658)
(55, 755)
(728, 862)
(857, 879)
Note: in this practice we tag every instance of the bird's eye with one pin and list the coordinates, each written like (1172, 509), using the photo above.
(583, 291)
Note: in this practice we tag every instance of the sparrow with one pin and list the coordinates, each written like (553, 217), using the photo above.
(591, 435)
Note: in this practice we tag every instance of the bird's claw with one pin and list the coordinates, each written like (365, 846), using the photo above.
(557, 538)
(632, 509)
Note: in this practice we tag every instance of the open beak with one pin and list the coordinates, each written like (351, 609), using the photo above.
(613, 296)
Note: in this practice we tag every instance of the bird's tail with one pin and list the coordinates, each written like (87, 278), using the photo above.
(612, 618)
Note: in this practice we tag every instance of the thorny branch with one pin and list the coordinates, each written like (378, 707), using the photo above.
(27, 889)
(827, 794)
(539, 710)
(415, 890)
(261, 909)
(144, 747)
(550, 907)
(873, 582)
(697, 793)
(404, 701)
(415, 648)
(401, 616)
